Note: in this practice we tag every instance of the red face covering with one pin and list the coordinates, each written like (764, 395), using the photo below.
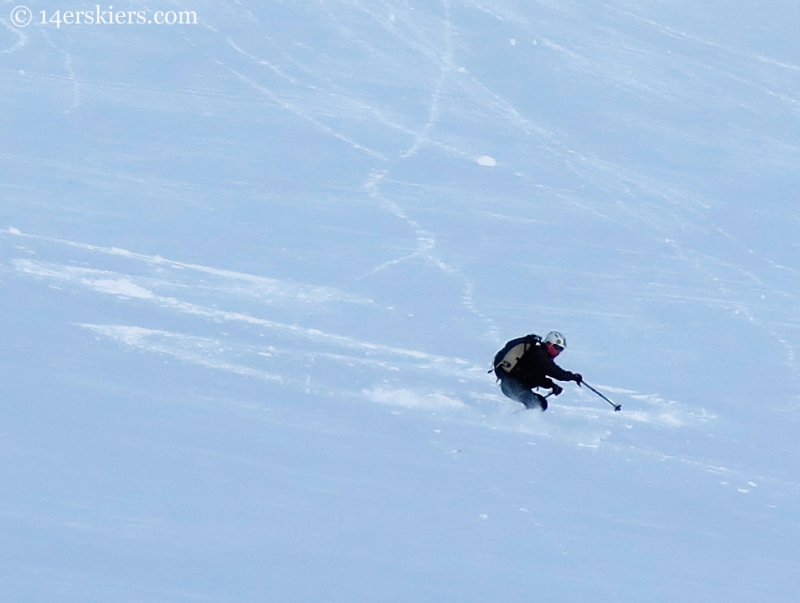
(553, 349)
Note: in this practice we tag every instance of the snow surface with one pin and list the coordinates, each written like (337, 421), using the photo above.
(253, 272)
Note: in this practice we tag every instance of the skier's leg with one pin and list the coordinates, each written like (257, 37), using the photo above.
(515, 390)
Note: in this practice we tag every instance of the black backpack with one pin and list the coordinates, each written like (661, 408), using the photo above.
(505, 361)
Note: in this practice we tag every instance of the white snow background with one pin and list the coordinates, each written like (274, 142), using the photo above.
(253, 272)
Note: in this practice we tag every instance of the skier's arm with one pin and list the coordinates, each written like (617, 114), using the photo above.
(556, 372)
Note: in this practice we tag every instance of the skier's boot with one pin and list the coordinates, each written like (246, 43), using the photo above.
(541, 401)
(535, 401)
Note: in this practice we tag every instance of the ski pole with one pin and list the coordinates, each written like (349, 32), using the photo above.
(617, 407)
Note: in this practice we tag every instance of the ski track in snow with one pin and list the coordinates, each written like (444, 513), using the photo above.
(19, 35)
(71, 75)
(260, 286)
(290, 348)
(447, 69)
(426, 240)
(682, 35)
(202, 351)
(170, 277)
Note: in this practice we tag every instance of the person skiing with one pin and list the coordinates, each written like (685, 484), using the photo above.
(528, 362)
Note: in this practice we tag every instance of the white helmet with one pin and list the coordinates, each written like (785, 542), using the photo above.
(555, 338)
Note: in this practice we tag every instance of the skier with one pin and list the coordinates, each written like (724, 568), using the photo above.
(529, 362)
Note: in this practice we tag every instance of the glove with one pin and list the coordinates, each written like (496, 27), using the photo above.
(557, 389)
(577, 378)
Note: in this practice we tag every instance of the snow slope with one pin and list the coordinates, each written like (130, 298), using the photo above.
(254, 270)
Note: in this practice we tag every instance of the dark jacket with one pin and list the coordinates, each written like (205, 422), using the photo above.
(535, 366)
